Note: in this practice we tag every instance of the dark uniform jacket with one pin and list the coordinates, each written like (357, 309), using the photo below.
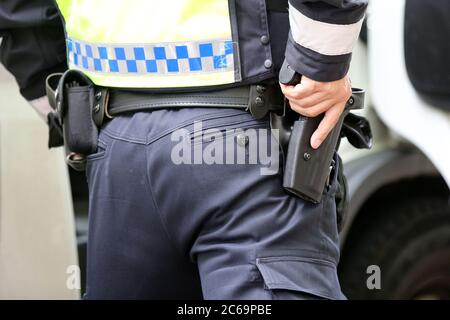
(315, 36)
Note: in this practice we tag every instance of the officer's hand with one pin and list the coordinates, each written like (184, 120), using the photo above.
(312, 98)
(42, 107)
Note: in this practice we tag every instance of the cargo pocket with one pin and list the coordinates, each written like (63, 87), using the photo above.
(93, 160)
(300, 275)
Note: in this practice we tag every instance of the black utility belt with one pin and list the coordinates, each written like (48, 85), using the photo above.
(259, 100)
(81, 107)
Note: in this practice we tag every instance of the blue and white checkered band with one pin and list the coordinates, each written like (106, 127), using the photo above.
(153, 59)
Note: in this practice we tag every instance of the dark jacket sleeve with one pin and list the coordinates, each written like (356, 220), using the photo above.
(322, 36)
(33, 44)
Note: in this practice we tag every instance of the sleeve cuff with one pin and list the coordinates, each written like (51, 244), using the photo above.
(36, 87)
(314, 65)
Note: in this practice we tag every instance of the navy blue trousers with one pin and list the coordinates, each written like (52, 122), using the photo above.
(162, 230)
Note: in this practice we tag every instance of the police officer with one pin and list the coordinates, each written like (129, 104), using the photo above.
(160, 229)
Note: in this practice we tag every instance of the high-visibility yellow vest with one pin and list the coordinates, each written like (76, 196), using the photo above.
(151, 43)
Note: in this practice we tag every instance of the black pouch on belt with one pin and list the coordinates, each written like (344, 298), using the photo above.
(79, 104)
(80, 132)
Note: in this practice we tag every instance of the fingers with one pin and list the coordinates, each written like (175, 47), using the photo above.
(326, 125)
(312, 98)
(313, 111)
(299, 91)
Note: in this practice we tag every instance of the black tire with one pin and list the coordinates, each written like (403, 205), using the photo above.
(409, 241)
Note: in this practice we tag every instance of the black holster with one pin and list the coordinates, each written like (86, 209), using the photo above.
(307, 171)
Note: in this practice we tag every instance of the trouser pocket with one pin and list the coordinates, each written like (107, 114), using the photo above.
(298, 275)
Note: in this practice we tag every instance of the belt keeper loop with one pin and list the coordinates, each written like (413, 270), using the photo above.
(258, 101)
(107, 114)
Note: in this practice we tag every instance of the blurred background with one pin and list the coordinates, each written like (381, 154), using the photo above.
(396, 238)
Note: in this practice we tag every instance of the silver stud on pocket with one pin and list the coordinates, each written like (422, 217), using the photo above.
(242, 139)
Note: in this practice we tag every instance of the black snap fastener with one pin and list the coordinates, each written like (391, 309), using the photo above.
(306, 156)
(264, 40)
(259, 101)
(260, 88)
(268, 64)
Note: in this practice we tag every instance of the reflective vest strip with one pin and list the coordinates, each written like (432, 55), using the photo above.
(153, 59)
(324, 38)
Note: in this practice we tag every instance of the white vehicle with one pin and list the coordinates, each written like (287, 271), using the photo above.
(398, 218)
(399, 212)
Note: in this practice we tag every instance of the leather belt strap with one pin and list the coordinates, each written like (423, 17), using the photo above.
(131, 101)
(257, 99)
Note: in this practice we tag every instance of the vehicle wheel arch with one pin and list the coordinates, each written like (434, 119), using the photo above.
(386, 176)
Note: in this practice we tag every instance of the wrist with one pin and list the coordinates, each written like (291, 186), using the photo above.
(42, 107)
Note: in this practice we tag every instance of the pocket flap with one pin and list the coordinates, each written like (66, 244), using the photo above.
(313, 276)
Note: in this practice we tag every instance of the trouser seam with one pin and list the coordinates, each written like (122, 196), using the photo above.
(158, 211)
